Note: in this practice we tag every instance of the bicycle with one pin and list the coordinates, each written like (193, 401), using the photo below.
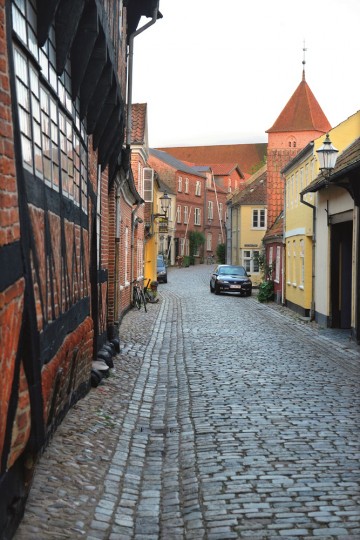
(138, 295)
(150, 295)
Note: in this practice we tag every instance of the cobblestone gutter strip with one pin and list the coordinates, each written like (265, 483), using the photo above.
(76, 483)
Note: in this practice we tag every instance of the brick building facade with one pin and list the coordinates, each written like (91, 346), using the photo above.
(63, 169)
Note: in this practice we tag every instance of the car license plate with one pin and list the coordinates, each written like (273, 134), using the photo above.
(235, 286)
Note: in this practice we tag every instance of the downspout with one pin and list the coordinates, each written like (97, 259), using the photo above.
(312, 311)
(130, 71)
(128, 120)
(132, 262)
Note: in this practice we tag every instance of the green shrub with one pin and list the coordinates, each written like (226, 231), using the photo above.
(266, 291)
(220, 253)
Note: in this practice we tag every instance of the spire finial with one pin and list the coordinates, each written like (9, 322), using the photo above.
(304, 61)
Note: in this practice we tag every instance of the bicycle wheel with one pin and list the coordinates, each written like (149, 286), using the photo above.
(142, 299)
(137, 299)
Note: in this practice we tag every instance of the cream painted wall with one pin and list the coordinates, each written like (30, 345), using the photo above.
(330, 201)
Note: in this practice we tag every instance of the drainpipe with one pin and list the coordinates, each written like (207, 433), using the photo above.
(130, 71)
(312, 311)
(133, 220)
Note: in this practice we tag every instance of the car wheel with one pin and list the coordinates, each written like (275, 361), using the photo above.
(165, 280)
(211, 289)
(248, 293)
(216, 290)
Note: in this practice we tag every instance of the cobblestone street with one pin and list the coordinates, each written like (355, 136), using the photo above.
(223, 418)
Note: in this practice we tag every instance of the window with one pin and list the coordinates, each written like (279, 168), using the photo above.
(197, 216)
(140, 259)
(251, 260)
(198, 188)
(229, 185)
(53, 140)
(182, 247)
(277, 264)
(186, 185)
(259, 219)
(140, 182)
(209, 242)
(288, 263)
(270, 260)
(178, 214)
(126, 266)
(210, 210)
(302, 264)
(220, 211)
(294, 262)
(186, 214)
(180, 183)
(148, 180)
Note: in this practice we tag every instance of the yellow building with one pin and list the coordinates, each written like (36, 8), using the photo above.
(248, 217)
(301, 216)
(337, 232)
(298, 231)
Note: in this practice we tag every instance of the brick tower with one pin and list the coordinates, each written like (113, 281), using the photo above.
(301, 121)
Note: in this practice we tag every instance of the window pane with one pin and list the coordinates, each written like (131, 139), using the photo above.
(26, 151)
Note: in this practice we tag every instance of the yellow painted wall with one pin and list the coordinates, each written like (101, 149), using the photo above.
(250, 238)
(299, 217)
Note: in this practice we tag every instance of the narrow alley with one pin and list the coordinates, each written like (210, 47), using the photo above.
(223, 418)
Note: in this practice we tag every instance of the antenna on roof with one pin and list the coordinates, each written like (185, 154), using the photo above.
(304, 61)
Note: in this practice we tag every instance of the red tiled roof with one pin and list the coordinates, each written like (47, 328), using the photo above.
(138, 120)
(301, 113)
(276, 231)
(253, 192)
(247, 156)
(223, 168)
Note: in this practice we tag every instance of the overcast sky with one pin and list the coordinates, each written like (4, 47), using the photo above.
(220, 72)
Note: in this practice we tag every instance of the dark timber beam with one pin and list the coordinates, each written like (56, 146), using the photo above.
(93, 73)
(66, 23)
(111, 130)
(108, 109)
(46, 15)
(83, 46)
(99, 96)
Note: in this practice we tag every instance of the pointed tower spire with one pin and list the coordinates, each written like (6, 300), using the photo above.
(304, 61)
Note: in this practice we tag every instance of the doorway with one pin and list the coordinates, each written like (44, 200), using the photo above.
(341, 274)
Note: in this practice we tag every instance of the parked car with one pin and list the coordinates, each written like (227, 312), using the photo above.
(230, 278)
(161, 269)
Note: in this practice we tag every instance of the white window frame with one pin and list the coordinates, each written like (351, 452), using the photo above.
(277, 264)
(302, 264)
(186, 185)
(197, 216)
(259, 213)
(148, 183)
(186, 214)
(250, 265)
(209, 242)
(126, 256)
(198, 188)
(220, 211)
(178, 214)
(180, 184)
(288, 247)
(294, 262)
(210, 210)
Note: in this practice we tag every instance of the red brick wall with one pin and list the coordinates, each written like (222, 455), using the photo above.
(12, 298)
(279, 154)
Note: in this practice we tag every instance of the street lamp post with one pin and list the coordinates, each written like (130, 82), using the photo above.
(327, 155)
(165, 204)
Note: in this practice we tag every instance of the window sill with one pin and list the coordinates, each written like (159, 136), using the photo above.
(301, 287)
(294, 285)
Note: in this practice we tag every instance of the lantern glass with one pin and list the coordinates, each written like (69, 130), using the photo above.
(165, 202)
(327, 154)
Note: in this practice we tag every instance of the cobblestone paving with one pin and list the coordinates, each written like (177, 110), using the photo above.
(223, 418)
